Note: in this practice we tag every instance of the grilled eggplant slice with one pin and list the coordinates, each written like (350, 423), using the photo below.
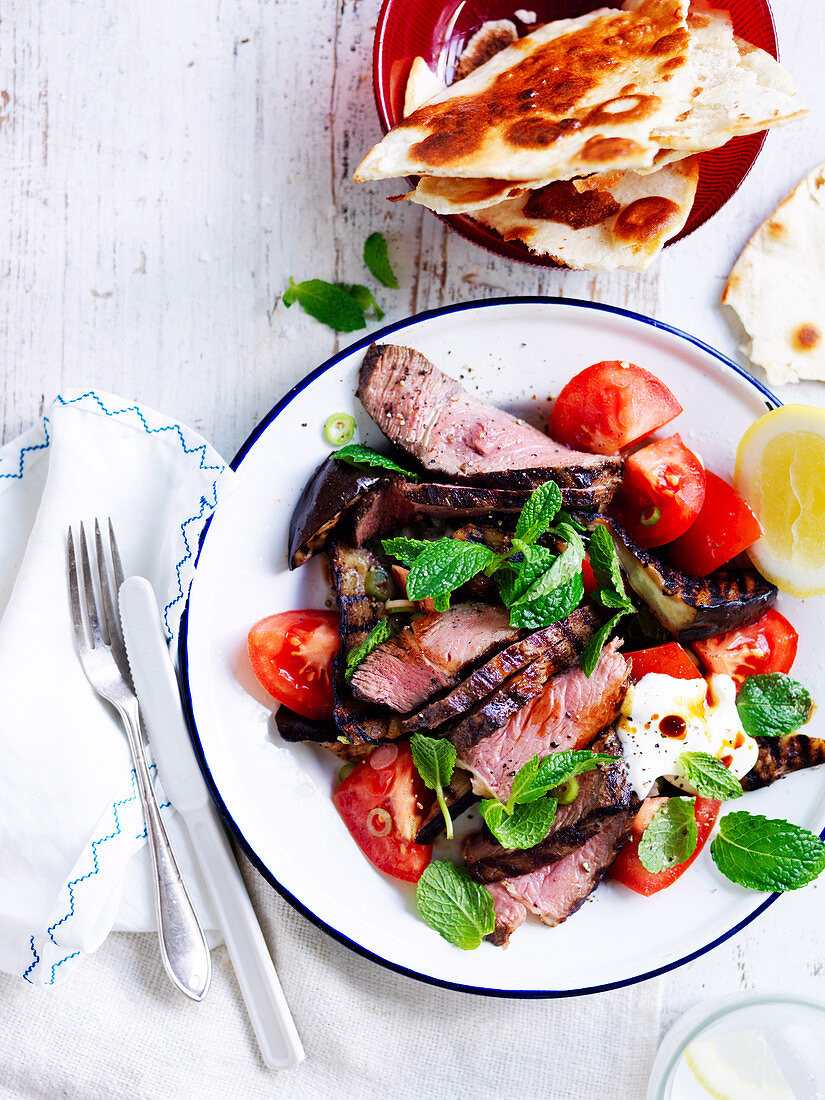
(780, 756)
(331, 491)
(692, 607)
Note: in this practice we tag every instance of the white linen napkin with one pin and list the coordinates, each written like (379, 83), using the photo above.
(71, 825)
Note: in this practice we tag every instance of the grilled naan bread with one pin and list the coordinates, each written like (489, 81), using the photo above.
(576, 96)
(777, 286)
(620, 219)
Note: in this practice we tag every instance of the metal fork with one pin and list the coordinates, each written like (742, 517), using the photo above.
(102, 654)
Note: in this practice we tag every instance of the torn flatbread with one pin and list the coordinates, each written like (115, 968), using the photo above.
(777, 287)
(422, 86)
(617, 220)
(574, 97)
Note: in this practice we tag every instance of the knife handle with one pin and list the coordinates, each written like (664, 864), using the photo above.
(268, 1010)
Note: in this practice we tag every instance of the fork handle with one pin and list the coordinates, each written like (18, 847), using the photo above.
(183, 946)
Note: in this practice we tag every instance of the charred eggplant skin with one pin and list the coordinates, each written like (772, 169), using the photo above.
(780, 756)
(693, 607)
(329, 493)
(294, 727)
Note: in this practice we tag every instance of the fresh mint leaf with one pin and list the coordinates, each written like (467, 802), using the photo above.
(567, 517)
(560, 766)
(356, 454)
(442, 602)
(612, 600)
(538, 513)
(772, 704)
(444, 566)
(671, 837)
(605, 564)
(328, 303)
(364, 298)
(434, 759)
(455, 905)
(551, 608)
(593, 650)
(377, 260)
(524, 788)
(379, 633)
(765, 854)
(709, 776)
(566, 566)
(404, 550)
(521, 571)
(525, 827)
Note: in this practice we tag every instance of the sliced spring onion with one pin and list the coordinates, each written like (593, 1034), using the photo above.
(393, 606)
(378, 584)
(345, 771)
(379, 822)
(568, 792)
(339, 429)
(650, 516)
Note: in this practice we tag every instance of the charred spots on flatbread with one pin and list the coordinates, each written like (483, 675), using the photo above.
(626, 108)
(493, 37)
(672, 43)
(646, 219)
(532, 132)
(807, 337)
(563, 202)
(608, 148)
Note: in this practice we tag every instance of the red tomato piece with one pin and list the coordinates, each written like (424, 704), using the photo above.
(724, 528)
(610, 405)
(661, 492)
(627, 868)
(291, 654)
(383, 802)
(668, 660)
(588, 576)
(768, 645)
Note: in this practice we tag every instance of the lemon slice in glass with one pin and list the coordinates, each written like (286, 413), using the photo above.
(780, 471)
(739, 1066)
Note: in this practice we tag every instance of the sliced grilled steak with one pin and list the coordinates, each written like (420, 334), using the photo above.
(553, 641)
(430, 655)
(509, 914)
(567, 712)
(603, 793)
(693, 607)
(556, 891)
(780, 756)
(459, 436)
(331, 491)
(458, 796)
(358, 614)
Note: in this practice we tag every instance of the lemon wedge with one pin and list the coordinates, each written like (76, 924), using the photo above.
(780, 471)
(738, 1067)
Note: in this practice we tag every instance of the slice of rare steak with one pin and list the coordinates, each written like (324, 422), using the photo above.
(603, 793)
(358, 614)
(458, 435)
(510, 915)
(559, 642)
(556, 891)
(430, 655)
(567, 713)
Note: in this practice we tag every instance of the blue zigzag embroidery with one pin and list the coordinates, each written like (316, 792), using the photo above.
(32, 964)
(21, 460)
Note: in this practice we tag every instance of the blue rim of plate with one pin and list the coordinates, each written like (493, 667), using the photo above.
(771, 402)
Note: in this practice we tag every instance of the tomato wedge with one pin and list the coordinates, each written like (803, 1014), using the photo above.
(291, 654)
(627, 868)
(724, 528)
(383, 802)
(610, 405)
(668, 660)
(661, 492)
(768, 645)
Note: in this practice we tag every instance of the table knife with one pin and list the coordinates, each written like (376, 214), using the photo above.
(157, 689)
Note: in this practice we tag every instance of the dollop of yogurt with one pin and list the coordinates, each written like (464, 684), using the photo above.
(662, 717)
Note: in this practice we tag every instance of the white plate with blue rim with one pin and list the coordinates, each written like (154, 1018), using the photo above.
(275, 796)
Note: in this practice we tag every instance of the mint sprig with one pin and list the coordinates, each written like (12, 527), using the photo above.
(377, 260)
(538, 513)
(765, 854)
(382, 630)
(709, 776)
(356, 454)
(671, 837)
(455, 905)
(329, 303)
(772, 704)
(527, 825)
(445, 565)
(611, 593)
(364, 298)
(434, 759)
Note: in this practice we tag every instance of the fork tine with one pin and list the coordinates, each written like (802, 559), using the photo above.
(74, 595)
(110, 616)
(116, 559)
(89, 590)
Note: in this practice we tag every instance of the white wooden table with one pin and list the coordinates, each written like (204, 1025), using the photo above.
(167, 166)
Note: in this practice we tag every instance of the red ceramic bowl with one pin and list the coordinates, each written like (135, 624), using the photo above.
(438, 29)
